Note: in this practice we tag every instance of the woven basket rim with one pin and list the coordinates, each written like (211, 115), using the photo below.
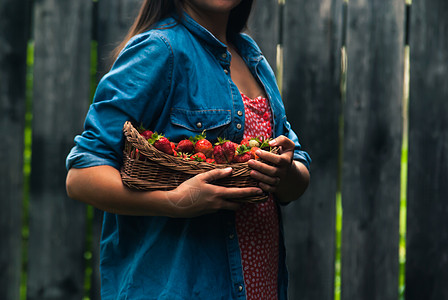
(139, 142)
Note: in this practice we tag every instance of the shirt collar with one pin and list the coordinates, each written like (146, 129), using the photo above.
(201, 32)
(246, 47)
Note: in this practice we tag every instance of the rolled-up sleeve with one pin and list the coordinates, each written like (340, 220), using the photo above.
(299, 154)
(135, 89)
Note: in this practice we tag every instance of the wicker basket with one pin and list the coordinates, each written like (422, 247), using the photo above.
(150, 169)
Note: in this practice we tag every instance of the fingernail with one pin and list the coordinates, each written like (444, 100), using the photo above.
(271, 143)
(260, 192)
(228, 169)
(258, 152)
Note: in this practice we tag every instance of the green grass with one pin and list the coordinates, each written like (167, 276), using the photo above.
(337, 277)
(27, 167)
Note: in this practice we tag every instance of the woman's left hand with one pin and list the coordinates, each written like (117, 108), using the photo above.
(284, 175)
(271, 176)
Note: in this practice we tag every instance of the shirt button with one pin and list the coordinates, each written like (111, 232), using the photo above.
(231, 236)
(224, 55)
(240, 113)
(226, 71)
(238, 126)
(240, 288)
(199, 125)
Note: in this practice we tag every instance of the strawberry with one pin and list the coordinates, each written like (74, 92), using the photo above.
(185, 146)
(136, 155)
(242, 154)
(205, 147)
(199, 156)
(144, 132)
(210, 161)
(147, 134)
(245, 141)
(241, 158)
(253, 143)
(173, 147)
(164, 145)
(201, 144)
(224, 151)
(161, 143)
(252, 152)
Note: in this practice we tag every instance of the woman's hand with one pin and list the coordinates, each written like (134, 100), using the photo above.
(198, 195)
(286, 178)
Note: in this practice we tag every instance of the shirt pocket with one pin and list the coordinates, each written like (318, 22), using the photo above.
(200, 120)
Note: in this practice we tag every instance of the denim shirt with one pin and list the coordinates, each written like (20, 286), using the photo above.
(174, 79)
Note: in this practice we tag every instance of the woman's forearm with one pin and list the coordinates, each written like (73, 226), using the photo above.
(294, 184)
(101, 187)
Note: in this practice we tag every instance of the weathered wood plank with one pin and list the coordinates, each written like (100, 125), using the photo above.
(114, 19)
(13, 44)
(264, 27)
(372, 150)
(312, 42)
(61, 98)
(95, 286)
(427, 213)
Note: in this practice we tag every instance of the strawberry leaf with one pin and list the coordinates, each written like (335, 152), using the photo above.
(242, 149)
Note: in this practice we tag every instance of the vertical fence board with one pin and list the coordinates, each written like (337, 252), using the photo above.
(427, 236)
(264, 28)
(312, 31)
(13, 44)
(114, 19)
(95, 286)
(372, 150)
(61, 96)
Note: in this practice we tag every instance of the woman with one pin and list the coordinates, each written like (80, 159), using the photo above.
(183, 68)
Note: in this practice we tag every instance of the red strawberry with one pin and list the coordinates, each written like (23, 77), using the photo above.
(173, 147)
(147, 134)
(136, 155)
(224, 151)
(201, 144)
(241, 158)
(242, 154)
(252, 152)
(210, 161)
(245, 141)
(205, 147)
(162, 143)
(199, 156)
(185, 146)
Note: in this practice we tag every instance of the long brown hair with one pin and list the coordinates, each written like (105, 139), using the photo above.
(153, 11)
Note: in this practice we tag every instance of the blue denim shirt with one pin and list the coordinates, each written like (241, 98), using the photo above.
(174, 79)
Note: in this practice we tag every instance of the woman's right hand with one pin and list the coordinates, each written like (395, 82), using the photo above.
(199, 196)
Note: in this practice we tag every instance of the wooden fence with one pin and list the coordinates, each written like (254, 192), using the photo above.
(342, 71)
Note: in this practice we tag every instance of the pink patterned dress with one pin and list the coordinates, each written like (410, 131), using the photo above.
(257, 224)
